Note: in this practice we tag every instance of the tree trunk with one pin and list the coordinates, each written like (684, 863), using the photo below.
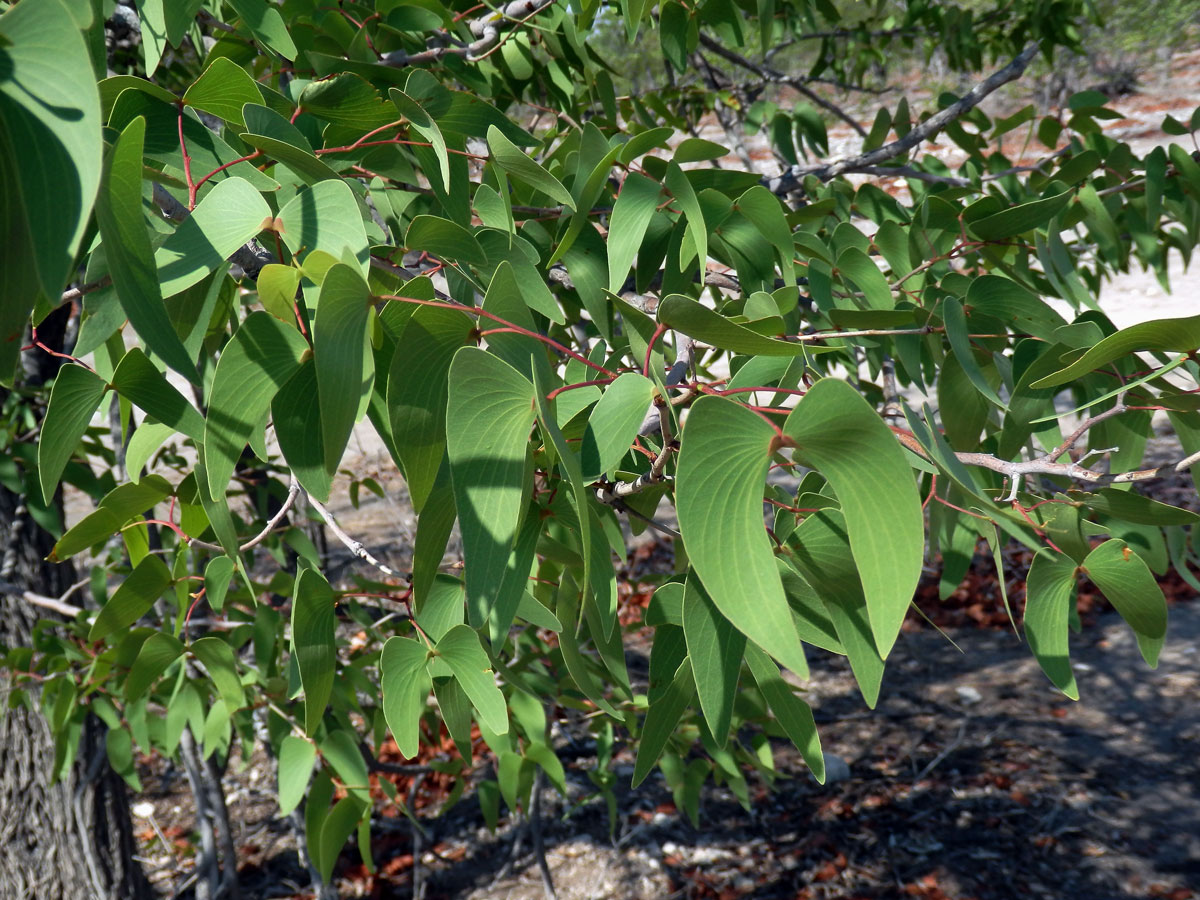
(72, 840)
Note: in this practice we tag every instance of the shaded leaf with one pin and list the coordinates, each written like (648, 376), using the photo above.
(416, 393)
(74, 399)
(715, 649)
(155, 656)
(131, 261)
(662, 717)
(838, 433)
(227, 217)
(1049, 594)
(263, 354)
(296, 757)
(719, 488)
(1127, 583)
(49, 102)
(513, 160)
(613, 424)
(405, 684)
(488, 418)
(341, 345)
(792, 713)
(313, 644)
(460, 649)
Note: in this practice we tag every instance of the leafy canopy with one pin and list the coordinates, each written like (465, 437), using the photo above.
(565, 320)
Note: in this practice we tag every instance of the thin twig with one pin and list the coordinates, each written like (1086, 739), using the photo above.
(293, 492)
(790, 180)
(486, 30)
(355, 547)
(776, 77)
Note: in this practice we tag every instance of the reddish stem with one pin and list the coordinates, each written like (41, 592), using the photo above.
(179, 532)
(187, 163)
(462, 15)
(34, 342)
(191, 609)
(506, 326)
(255, 155)
(570, 387)
(401, 141)
(748, 390)
(658, 332)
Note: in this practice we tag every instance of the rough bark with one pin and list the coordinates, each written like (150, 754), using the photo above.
(72, 840)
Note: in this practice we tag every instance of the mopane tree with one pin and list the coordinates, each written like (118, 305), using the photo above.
(568, 317)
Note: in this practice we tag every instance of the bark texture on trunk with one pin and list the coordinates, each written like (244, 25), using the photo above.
(72, 840)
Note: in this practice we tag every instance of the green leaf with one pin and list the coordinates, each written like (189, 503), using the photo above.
(313, 645)
(296, 757)
(266, 24)
(217, 657)
(262, 356)
(308, 168)
(838, 433)
(698, 150)
(444, 238)
(613, 424)
(336, 828)
(793, 714)
(132, 599)
(137, 379)
(960, 343)
(340, 750)
(697, 231)
(74, 399)
(631, 215)
(488, 417)
(1181, 335)
(156, 655)
(348, 100)
(460, 649)
(1019, 219)
(822, 554)
(763, 210)
(119, 506)
(217, 575)
(227, 217)
(49, 126)
(1019, 308)
(603, 601)
(1130, 507)
(1126, 581)
(537, 614)
(222, 90)
(1049, 595)
(277, 290)
(296, 413)
(416, 393)
(206, 150)
(662, 717)
(326, 217)
(719, 488)
(513, 160)
(420, 120)
(405, 682)
(441, 608)
(716, 649)
(340, 346)
(127, 249)
(697, 321)
(857, 266)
